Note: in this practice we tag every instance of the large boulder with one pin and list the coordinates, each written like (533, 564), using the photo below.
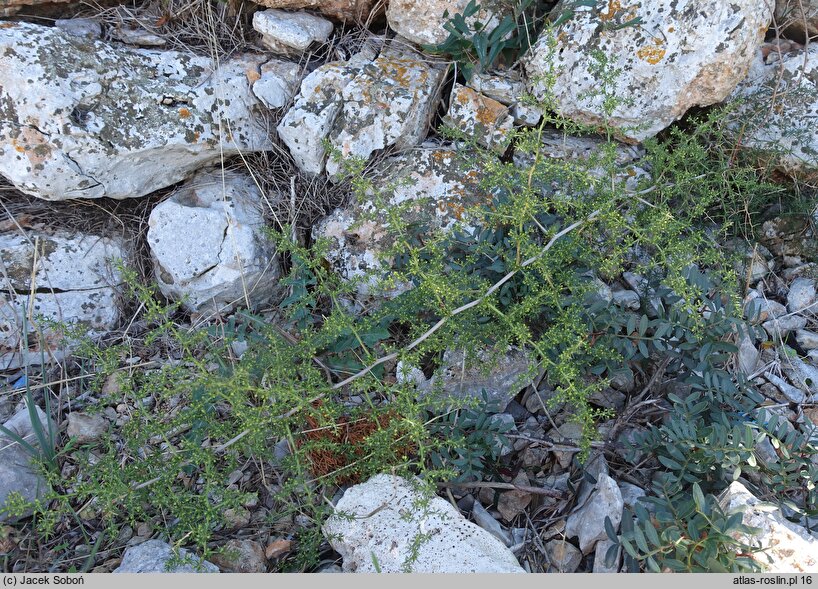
(85, 118)
(386, 525)
(55, 277)
(431, 184)
(777, 110)
(682, 53)
(789, 548)
(422, 22)
(208, 244)
(20, 477)
(361, 106)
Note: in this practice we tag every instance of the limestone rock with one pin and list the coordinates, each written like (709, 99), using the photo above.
(801, 295)
(387, 523)
(80, 27)
(512, 503)
(287, 32)
(154, 556)
(86, 428)
(791, 547)
(563, 556)
(784, 132)
(241, 556)
(588, 521)
(361, 107)
(17, 473)
(797, 17)
(345, 10)
(73, 281)
(480, 117)
(208, 245)
(422, 22)
(81, 118)
(390, 103)
(278, 83)
(683, 54)
(434, 188)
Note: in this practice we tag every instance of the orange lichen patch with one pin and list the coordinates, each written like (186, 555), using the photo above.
(614, 6)
(671, 29)
(252, 75)
(337, 447)
(7, 25)
(34, 144)
(184, 113)
(196, 136)
(652, 55)
(398, 70)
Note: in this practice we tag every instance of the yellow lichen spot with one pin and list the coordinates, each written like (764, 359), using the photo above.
(657, 41)
(252, 75)
(652, 55)
(184, 113)
(614, 6)
(671, 29)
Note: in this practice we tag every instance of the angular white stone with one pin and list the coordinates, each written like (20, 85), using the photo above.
(278, 83)
(422, 22)
(684, 53)
(588, 522)
(481, 117)
(791, 547)
(208, 245)
(391, 520)
(785, 131)
(287, 31)
(802, 295)
(86, 119)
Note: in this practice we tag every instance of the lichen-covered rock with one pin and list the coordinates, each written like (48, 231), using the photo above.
(497, 374)
(208, 245)
(361, 106)
(432, 185)
(346, 10)
(155, 556)
(56, 277)
(479, 116)
(400, 529)
(422, 22)
(797, 17)
(18, 475)
(778, 109)
(85, 118)
(684, 53)
(390, 103)
(241, 556)
(791, 547)
(288, 32)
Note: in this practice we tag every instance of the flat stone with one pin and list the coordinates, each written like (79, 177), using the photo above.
(108, 121)
(600, 552)
(659, 72)
(807, 339)
(18, 474)
(154, 556)
(241, 556)
(74, 280)
(80, 27)
(86, 428)
(791, 547)
(513, 503)
(780, 328)
(563, 556)
(801, 295)
(386, 525)
(630, 494)
(626, 298)
(588, 522)
(358, 11)
(285, 32)
(486, 521)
